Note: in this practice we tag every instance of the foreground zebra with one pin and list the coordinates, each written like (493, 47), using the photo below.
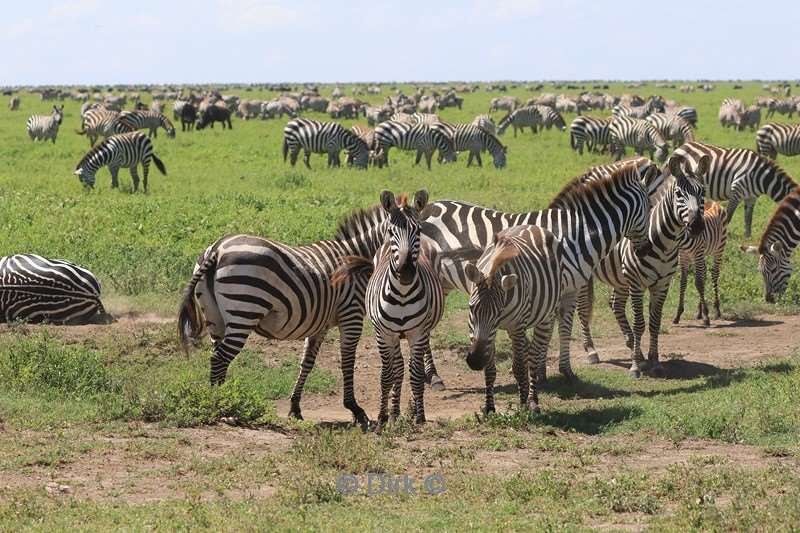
(404, 299)
(738, 175)
(43, 127)
(126, 150)
(317, 137)
(694, 250)
(777, 244)
(516, 285)
(773, 139)
(35, 289)
(589, 131)
(152, 120)
(244, 284)
(590, 218)
(637, 133)
(678, 211)
(421, 138)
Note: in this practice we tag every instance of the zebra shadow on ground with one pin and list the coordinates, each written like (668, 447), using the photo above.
(590, 421)
(741, 323)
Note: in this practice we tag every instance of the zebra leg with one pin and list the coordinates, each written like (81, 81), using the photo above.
(418, 157)
(519, 363)
(684, 264)
(478, 157)
(397, 379)
(417, 377)
(293, 156)
(541, 338)
(135, 177)
(114, 181)
(469, 159)
(566, 312)
(349, 335)
(145, 173)
(541, 342)
(715, 268)
(585, 306)
(657, 297)
(306, 158)
(489, 376)
(749, 207)
(700, 285)
(619, 300)
(310, 351)
(431, 374)
(637, 303)
(387, 376)
(428, 157)
(227, 348)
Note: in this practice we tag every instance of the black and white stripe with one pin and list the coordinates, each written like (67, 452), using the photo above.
(486, 122)
(313, 136)
(244, 284)
(100, 122)
(422, 138)
(672, 128)
(43, 127)
(524, 117)
(637, 133)
(35, 289)
(152, 120)
(125, 150)
(591, 132)
(474, 139)
(773, 139)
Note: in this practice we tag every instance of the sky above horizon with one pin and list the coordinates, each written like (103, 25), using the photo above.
(181, 41)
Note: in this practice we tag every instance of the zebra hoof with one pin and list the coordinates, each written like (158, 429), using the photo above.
(636, 374)
(362, 420)
(568, 374)
(706, 322)
(593, 358)
(676, 320)
(295, 413)
(488, 410)
(437, 384)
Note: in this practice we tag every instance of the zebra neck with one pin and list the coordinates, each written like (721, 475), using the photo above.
(666, 229)
(773, 182)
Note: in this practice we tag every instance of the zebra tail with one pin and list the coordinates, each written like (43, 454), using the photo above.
(285, 148)
(159, 165)
(190, 319)
(81, 132)
(572, 142)
(351, 266)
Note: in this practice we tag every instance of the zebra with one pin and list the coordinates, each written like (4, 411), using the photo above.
(672, 127)
(177, 108)
(524, 117)
(35, 289)
(738, 175)
(730, 117)
(244, 284)
(751, 118)
(737, 104)
(515, 284)
(125, 150)
(468, 137)
(607, 209)
(678, 211)
(43, 127)
(777, 244)
(404, 299)
(13, 103)
(651, 106)
(637, 133)
(422, 138)
(100, 122)
(367, 135)
(784, 107)
(136, 120)
(322, 137)
(773, 139)
(485, 122)
(689, 114)
(694, 251)
(550, 117)
(589, 131)
(416, 118)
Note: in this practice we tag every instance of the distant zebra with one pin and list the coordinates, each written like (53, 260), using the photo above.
(515, 284)
(733, 102)
(524, 117)
(43, 127)
(367, 135)
(137, 120)
(589, 131)
(35, 289)
(317, 137)
(404, 299)
(738, 175)
(773, 139)
(100, 122)
(672, 127)
(784, 107)
(486, 122)
(473, 139)
(416, 118)
(125, 150)
(421, 138)
(550, 117)
(244, 284)
(651, 106)
(639, 134)
(777, 244)
(689, 114)
(13, 103)
(751, 118)
(694, 250)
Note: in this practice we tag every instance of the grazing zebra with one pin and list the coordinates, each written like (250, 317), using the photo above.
(751, 118)
(320, 138)
(35, 289)
(404, 299)
(416, 118)
(694, 250)
(784, 107)
(590, 218)
(672, 127)
(125, 150)
(244, 284)
(13, 103)
(474, 139)
(777, 244)
(589, 131)
(737, 104)
(515, 284)
(651, 106)
(137, 120)
(738, 175)
(729, 117)
(689, 114)
(524, 117)
(678, 211)
(43, 127)
(367, 135)
(422, 138)
(100, 122)
(550, 117)
(177, 108)
(485, 122)
(773, 139)
(637, 133)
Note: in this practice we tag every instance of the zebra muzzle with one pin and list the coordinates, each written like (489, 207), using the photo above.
(478, 355)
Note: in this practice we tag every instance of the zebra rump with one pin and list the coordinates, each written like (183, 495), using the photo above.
(34, 289)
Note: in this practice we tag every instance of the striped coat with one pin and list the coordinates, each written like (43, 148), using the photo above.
(152, 120)
(474, 139)
(591, 132)
(773, 139)
(100, 122)
(43, 127)
(640, 134)
(524, 117)
(421, 138)
(672, 127)
(126, 150)
(317, 137)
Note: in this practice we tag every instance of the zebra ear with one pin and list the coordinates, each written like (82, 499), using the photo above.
(472, 273)
(420, 200)
(78, 172)
(387, 200)
(675, 166)
(508, 281)
(703, 165)
(749, 249)
(649, 175)
(776, 248)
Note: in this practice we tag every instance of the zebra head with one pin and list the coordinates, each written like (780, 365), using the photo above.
(58, 114)
(689, 192)
(499, 156)
(487, 301)
(636, 223)
(775, 267)
(403, 233)
(85, 176)
(444, 144)
(358, 152)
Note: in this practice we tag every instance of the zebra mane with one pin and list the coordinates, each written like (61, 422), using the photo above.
(779, 170)
(91, 153)
(576, 188)
(784, 214)
(504, 251)
(359, 222)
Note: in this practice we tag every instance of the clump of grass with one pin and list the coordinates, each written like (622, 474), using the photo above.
(349, 451)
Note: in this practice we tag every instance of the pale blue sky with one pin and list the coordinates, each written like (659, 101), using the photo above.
(155, 41)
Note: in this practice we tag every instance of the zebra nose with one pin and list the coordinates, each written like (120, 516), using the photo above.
(477, 357)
